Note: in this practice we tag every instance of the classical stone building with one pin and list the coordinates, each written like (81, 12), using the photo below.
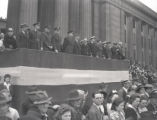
(128, 21)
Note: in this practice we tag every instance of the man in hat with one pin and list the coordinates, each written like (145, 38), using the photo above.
(152, 107)
(5, 110)
(108, 50)
(84, 47)
(10, 39)
(23, 36)
(46, 39)
(124, 90)
(68, 44)
(28, 102)
(75, 100)
(104, 50)
(39, 111)
(114, 50)
(35, 37)
(77, 46)
(56, 40)
(93, 49)
(148, 89)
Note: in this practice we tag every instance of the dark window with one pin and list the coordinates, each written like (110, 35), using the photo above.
(125, 19)
(134, 23)
(142, 27)
(142, 41)
(125, 36)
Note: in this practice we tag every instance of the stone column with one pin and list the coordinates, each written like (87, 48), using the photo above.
(107, 20)
(74, 15)
(86, 18)
(62, 16)
(28, 11)
(96, 18)
(146, 45)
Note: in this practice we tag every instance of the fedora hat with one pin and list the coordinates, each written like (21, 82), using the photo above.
(74, 95)
(139, 87)
(153, 94)
(148, 86)
(42, 98)
(24, 25)
(36, 23)
(124, 81)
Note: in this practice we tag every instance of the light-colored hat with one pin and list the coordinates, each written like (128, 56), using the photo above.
(42, 98)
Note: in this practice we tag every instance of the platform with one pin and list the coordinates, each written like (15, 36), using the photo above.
(58, 73)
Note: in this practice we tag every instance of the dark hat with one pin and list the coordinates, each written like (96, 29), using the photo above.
(7, 76)
(41, 98)
(70, 32)
(93, 37)
(153, 94)
(23, 25)
(5, 97)
(57, 28)
(139, 87)
(148, 86)
(37, 23)
(74, 95)
(47, 26)
(64, 108)
(117, 101)
(115, 43)
(124, 81)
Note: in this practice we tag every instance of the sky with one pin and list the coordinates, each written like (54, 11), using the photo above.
(4, 4)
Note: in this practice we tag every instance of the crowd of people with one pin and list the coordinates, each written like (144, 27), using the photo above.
(133, 101)
(48, 41)
(144, 74)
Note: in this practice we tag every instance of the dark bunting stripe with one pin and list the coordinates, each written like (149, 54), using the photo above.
(46, 59)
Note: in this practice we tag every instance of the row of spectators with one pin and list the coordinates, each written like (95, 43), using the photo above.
(143, 74)
(44, 40)
(131, 102)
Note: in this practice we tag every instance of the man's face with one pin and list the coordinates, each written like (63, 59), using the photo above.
(127, 84)
(77, 103)
(98, 99)
(7, 79)
(149, 90)
(10, 33)
(37, 27)
(136, 102)
(153, 101)
(71, 34)
(143, 103)
(47, 30)
(43, 107)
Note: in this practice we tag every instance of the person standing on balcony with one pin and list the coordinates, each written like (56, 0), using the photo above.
(35, 37)
(10, 39)
(22, 38)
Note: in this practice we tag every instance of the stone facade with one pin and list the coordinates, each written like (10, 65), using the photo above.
(126, 21)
